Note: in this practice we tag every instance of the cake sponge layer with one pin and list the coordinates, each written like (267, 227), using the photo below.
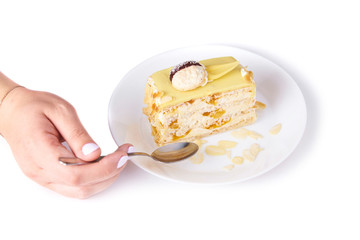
(204, 116)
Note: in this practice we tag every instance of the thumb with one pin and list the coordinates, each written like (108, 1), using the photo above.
(67, 122)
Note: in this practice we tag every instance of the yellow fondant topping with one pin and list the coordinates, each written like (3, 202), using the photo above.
(224, 74)
(217, 71)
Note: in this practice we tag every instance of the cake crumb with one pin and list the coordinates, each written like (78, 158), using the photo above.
(275, 129)
(260, 105)
(238, 160)
(229, 167)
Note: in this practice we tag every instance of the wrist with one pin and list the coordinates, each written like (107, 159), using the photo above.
(6, 86)
(7, 93)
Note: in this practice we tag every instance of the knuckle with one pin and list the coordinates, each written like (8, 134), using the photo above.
(83, 193)
(73, 180)
(107, 171)
(77, 133)
(64, 108)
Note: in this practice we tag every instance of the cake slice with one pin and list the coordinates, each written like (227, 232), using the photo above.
(197, 99)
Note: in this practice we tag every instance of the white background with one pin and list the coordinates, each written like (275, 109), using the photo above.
(80, 50)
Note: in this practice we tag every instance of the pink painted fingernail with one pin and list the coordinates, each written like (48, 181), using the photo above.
(122, 161)
(131, 149)
(89, 148)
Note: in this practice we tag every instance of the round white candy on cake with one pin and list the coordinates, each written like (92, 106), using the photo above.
(188, 76)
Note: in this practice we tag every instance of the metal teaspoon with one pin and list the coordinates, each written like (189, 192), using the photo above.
(169, 153)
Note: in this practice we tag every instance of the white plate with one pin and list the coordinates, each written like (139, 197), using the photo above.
(285, 105)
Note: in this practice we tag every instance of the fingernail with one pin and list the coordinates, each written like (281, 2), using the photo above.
(122, 161)
(131, 149)
(89, 148)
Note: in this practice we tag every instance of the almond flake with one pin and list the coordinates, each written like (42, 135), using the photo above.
(229, 167)
(251, 153)
(215, 150)
(197, 158)
(227, 144)
(238, 160)
(275, 129)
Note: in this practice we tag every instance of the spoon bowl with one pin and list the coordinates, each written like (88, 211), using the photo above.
(173, 152)
(169, 153)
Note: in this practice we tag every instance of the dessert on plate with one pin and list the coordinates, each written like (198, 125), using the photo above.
(197, 99)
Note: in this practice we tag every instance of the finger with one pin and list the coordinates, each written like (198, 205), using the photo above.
(67, 122)
(108, 167)
(52, 150)
(81, 192)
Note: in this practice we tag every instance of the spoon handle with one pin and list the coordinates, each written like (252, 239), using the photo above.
(138, 154)
(76, 162)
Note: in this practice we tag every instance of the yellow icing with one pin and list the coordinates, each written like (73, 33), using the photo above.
(216, 71)
(224, 74)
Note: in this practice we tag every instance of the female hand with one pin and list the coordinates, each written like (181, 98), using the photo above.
(35, 124)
